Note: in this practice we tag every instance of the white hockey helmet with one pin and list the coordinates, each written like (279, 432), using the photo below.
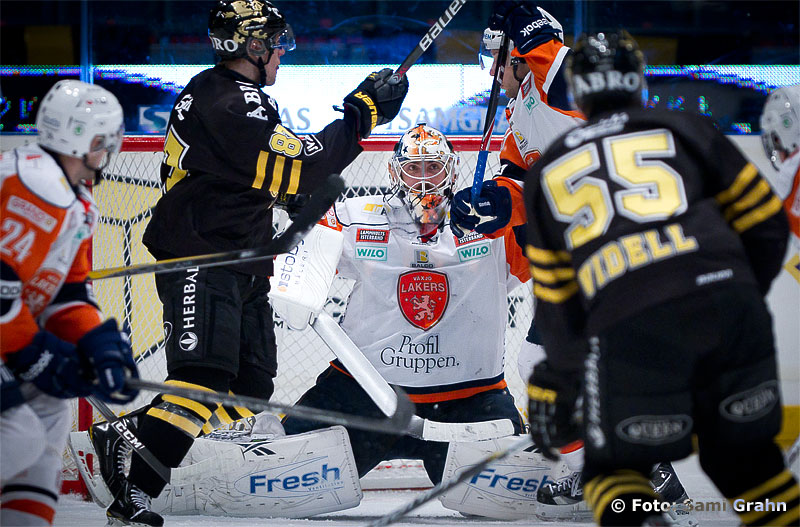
(490, 42)
(780, 123)
(74, 113)
(423, 172)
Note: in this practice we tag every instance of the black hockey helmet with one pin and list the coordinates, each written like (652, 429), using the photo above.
(606, 72)
(231, 23)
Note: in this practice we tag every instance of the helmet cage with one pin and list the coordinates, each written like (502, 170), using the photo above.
(424, 190)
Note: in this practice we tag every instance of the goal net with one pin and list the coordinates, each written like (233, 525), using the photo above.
(125, 199)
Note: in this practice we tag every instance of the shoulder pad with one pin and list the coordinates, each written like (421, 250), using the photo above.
(364, 209)
(42, 176)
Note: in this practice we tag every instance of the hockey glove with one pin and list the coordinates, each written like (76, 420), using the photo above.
(10, 396)
(375, 101)
(552, 398)
(110, 354)
(292, 203)
(52, 365)
(494, 202)
(525, 24)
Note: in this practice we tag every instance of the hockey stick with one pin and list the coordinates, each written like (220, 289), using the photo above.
(427, 39)
(444, 486)
(488, 123)
(321, 200)
(382, 395)
(793, 453)
(120, 426)
(394, 424)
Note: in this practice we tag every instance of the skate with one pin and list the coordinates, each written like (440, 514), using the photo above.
(132, 507)
(562, 500)
(113, 454)
(665, 482)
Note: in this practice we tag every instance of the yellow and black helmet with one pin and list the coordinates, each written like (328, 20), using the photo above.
(232, 23)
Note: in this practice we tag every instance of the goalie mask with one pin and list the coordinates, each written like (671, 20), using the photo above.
(76, 118)
(780, 124)
(233, 25)
(422, 172)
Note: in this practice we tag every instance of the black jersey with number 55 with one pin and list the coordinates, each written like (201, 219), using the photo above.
(226, 157)
(638, 207)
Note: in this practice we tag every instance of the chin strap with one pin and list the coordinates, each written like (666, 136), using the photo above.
(260, 64)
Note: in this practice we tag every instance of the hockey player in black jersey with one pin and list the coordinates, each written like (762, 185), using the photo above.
(652, 243)
(227, 158)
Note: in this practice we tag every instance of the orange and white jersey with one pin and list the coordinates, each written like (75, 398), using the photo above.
(45, 241)
(786, 184)
(540, 113)
(430, 317)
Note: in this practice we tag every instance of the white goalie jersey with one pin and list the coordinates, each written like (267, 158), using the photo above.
(430, 317)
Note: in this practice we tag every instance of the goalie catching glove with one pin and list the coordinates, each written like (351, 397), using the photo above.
(552, 401)
(375, 101)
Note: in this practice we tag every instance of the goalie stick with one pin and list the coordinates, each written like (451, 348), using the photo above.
(427, 40)
(488, 123)
(444, 486)
(397, 423)
(382, 395)
(319, 203)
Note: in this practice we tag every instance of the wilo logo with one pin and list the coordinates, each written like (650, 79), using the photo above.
(371, 252)
(473, 252)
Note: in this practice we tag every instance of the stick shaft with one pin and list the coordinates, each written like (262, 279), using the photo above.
(395, 424)
(434, 31)
(121, 428)
(443, 487)
(488, 123)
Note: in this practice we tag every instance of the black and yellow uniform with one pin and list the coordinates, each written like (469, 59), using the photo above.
(227, 157)
(652, 242)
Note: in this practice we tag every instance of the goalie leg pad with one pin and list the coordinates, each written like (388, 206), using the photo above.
(504, 490)
(291, 477)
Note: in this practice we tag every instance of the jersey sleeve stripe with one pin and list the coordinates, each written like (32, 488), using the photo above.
(294, 179)
(758, 215)
(553, 71)
(261, 169)
(749, 200)
(552, 276)
(744, 177)
(277, 174)
(555, 296)
(546, 257)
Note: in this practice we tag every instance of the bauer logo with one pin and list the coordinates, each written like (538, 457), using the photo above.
(286, 481)
(654, 429)
(751, 404)
(473, 252)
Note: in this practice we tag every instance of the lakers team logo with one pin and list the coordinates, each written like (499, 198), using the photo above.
(423, 297)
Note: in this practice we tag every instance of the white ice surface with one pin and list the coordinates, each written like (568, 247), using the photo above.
(72, 512)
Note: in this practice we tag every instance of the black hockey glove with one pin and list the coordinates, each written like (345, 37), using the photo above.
(111, 356)
(291, 203)
(375, 101)
(552, 398)
(524, 23)
(494, 204)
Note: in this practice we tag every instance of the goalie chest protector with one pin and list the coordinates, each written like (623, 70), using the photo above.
(428, 316)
